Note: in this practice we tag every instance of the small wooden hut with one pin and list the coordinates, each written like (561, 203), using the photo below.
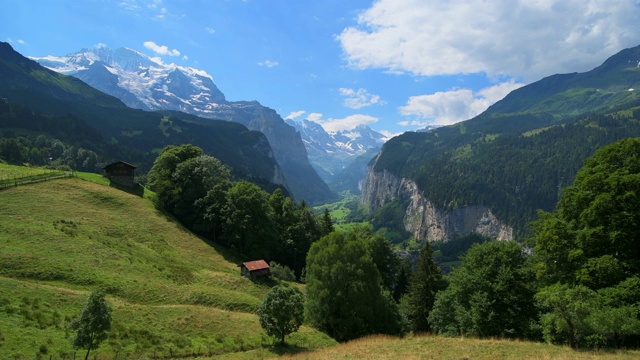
(255, 270)
(121, 173)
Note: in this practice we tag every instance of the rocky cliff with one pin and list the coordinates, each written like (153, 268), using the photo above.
(422, 218)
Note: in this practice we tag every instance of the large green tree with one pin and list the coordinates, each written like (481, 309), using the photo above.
(593, 237)
(425, 282)
(201, 186)
(345, 294)
(282, 311)
(587, 252)
(160, 176)
(490, 294)
(248, 225)
(93, 325)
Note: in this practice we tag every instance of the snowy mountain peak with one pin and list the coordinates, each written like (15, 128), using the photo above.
(332, 152)
(148, 83)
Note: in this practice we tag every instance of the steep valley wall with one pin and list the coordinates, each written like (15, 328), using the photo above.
(422, 218)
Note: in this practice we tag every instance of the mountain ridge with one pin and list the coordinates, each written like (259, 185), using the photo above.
(519, 154)
(332, 153)
(142, 134)
(159, 86)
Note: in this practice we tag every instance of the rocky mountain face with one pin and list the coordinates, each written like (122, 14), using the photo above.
(490, 174)
(422, 218)
(332, 153)
(145, 83)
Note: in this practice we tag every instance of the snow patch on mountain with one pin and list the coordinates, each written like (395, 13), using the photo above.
(156, 85)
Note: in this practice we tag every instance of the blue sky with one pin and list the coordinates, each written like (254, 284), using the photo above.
(395, 65)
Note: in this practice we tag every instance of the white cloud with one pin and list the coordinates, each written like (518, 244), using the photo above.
(100, 45)
(314, 117)
(268, 63)
(449, 107)
(157, 60)
(346, 123)
(19, 41)
(160, 49)
(519, 38)
(295, 115)
(356, 99)
(185, 57)
(388, 134)
(210, 30)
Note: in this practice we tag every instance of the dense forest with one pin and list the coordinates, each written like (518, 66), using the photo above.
(514, 174)
(199, 191)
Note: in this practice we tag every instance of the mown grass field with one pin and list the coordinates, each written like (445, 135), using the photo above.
(171, 292)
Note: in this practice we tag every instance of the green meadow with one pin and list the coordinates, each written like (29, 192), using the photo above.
(172, 293)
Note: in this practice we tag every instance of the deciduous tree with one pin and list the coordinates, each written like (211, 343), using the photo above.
(282, 312)
(93, 325)
(490, 294)
(345, 296)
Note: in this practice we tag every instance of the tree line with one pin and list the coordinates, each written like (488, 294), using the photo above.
(577, 282)
(199, 191)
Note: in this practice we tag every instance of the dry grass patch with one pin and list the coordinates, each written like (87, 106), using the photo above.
(444, 348)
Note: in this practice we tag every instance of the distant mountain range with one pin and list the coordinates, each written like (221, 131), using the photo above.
(491, 173)
(144, 83)
(332, 153)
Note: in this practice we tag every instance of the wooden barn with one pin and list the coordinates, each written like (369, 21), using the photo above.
(254, 270)
(121, 173)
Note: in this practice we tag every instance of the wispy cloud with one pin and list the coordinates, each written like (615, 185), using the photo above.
(356, 99)
(295, 114)
(19, 41)
(154, 9)
(519, 38)
(210, 30)
(449, 107)
(337, 124)
(268, 63)
(161, 49)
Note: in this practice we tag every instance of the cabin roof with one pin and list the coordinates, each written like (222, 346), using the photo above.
(256, 265)
(119, 162)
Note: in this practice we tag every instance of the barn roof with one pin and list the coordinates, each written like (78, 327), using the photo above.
(256, 265)
(119, 162)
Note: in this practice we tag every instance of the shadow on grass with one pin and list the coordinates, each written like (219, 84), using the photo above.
(137, 190)
(287, 349)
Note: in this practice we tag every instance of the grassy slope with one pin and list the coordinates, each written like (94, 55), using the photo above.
(442, 348)
(170, 290)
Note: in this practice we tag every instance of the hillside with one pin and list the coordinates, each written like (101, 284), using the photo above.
(170, 290)
(34, 95)
(491, 173)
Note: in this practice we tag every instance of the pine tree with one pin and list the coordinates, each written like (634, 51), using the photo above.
(426, 280)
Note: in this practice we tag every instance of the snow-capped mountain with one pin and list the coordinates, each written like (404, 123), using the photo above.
(330, 153)
(147, 83)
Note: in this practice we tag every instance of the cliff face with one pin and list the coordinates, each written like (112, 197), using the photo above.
(422, 218)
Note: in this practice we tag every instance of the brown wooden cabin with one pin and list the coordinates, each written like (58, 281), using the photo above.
(255, 270)
(121, 173)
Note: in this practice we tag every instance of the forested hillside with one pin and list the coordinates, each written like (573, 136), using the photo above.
(518, 156)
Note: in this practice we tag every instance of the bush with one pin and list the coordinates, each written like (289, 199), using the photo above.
(282, 272)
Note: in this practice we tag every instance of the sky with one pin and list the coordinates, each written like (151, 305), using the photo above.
(394, 65)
